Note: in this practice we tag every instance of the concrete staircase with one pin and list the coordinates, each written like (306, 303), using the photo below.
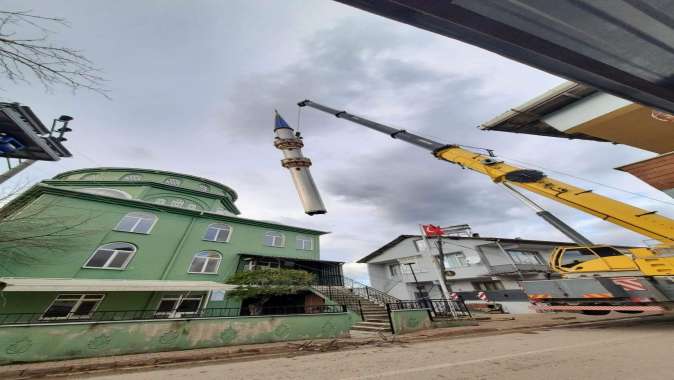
(364, 300)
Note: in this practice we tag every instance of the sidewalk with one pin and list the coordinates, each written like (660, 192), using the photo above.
(498, 324)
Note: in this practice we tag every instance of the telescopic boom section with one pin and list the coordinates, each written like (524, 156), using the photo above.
(647, 223)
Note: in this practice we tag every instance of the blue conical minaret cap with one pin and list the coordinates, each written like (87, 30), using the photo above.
(279, 122)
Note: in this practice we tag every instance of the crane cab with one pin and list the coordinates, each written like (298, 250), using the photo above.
(589, 259)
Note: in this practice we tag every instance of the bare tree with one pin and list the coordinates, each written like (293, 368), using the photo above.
(33, 235)
(26, 53)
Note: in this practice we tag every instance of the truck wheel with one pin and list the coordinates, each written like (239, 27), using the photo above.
(595, 312)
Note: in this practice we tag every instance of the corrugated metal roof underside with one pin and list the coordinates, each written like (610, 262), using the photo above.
(623, 47)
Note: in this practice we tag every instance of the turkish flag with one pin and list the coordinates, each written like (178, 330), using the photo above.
(431, 230)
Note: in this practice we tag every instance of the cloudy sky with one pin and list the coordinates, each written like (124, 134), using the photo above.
(193, 86)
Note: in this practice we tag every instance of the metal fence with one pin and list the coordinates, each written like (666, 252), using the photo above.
(131, 315)
(437, 308)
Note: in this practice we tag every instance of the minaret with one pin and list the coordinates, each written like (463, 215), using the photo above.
(291, 144)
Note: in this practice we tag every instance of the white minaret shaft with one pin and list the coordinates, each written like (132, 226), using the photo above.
(291, 145)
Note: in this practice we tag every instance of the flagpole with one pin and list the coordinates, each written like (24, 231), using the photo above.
(438, 269)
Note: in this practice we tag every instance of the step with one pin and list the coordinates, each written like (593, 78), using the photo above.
(370, 328)
(372, 324)
(377, 320)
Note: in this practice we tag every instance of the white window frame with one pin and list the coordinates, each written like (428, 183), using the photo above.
(160, 201)
(179, 298)
(463, 264)
(391, 273)
(203, 267)
(204, 187)
(172, 181)
(300, 241)
(132, 177)
(216, 226)
(75, 307)
(516, 259)
(112, 257)
(149, 231)
(423, 242)
(275, 235)
(90, 177)
(177, 203)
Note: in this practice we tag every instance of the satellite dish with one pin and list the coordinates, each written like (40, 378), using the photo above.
(473, 260)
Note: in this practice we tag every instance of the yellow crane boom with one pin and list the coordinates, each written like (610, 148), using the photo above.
(647, 223)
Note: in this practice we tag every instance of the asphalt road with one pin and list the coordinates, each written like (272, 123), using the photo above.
(633, 350)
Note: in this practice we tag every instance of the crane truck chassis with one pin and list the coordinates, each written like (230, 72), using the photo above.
(591, 279)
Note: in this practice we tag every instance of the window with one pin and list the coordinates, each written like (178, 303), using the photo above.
(172, 181)
(487, 286)
(90, 177)
(132, 177)
(111, 256)
(204, 187)
(138, 222)
(305, 243)
(573, 257)
(178, 202)
(261, 264)
(524, 257)
(160, 201)
(114, 193)
(179, 305)
(394, 270)
(73, 306)
(455, 260)
(218, 232)
(421, 245)
(205, 262)
(274, 239)
(192, 206)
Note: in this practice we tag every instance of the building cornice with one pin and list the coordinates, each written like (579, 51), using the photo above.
(43, 188)
(227, 189)
(228, 202)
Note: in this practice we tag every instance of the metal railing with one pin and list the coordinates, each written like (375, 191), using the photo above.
(437, 308)
(368, 292)
(131, 315)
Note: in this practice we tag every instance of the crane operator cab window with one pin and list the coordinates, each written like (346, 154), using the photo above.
(572, 257)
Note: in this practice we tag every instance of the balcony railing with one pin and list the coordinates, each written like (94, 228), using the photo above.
(138, 315)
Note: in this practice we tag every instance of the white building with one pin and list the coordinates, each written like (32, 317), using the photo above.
(403, 268)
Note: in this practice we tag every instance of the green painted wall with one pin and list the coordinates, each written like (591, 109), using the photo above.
(165, 253)
(79, 340)
(407, 321)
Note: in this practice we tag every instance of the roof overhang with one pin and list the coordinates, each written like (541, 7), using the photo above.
(577, 111)
(22, 284)
(620, 47)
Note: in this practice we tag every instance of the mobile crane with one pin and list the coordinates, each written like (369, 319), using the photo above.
(593, 279)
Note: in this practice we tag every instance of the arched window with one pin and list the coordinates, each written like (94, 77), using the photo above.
(111, 256)
(274, 239)
(206, 262)
(90, 177)
(173, 181)
(178, 202)
(204, 187)
(107, 192)
(218, 232)
(132, 177)
(138, 222)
